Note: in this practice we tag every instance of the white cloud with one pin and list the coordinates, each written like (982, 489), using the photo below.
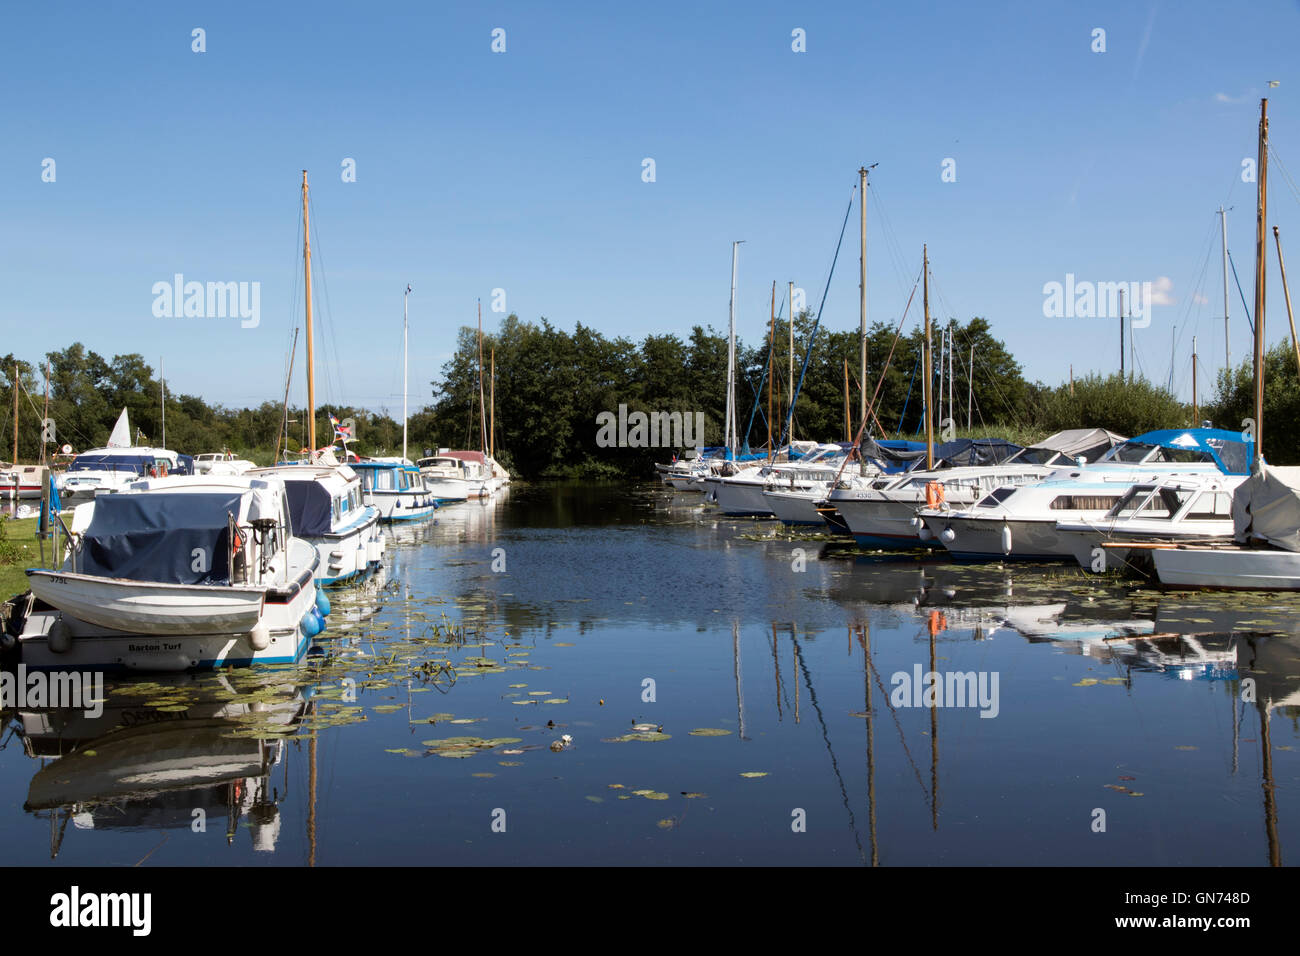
(1160, 291)
(1200, 299)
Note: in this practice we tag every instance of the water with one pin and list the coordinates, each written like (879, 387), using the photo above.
(601, 608)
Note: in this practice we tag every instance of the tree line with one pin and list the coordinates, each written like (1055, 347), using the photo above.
(551, 385)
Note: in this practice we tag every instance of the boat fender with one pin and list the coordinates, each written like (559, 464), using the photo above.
(916, 521)
(59, 640)
(311, 623)
(924, 533)
(1006, 538)
(320, 620)
(948, 535)
(322, 604)
(259, 638)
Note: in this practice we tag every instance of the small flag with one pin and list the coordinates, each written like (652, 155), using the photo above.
(408, 289)
(1274, 82)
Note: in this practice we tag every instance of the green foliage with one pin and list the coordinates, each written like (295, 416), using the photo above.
(1234, 402)
(1127, 407)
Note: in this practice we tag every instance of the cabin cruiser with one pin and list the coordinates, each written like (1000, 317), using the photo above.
(1177, 509)
(22, 481)
(221, 463)
(1021, 522)
(446, 477)
(326, 510)
(175, 573)
(395, 487)
(117, 464)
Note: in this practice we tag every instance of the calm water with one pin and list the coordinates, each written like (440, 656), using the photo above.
(579, 611)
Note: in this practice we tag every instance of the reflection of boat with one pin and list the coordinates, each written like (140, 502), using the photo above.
(175, 573)
(139, 767)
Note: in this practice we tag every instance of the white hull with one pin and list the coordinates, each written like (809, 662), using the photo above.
(796, 507)
(401, 505)
(146, 607)
(447, 489)
(739, 498)
(348, 555)
(1232, 567)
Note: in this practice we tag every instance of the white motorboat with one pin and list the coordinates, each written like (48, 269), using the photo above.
(1265, 555)
(117, 465)
(326, 510)
(174, 574)
(394, 487)
(221, 463)
(22, 481)
(1178, 509)
(445, 477)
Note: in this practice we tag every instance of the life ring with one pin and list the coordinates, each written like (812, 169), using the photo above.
(933, 494)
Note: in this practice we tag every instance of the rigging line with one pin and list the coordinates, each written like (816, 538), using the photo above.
(812, 336)
(993, 379)
(835, 766)
(1285, 174)
(1249, 320)
(334, 376)
(901, 738)
(879, 382)
(1177, 383)
(903, 416)
(892, 248)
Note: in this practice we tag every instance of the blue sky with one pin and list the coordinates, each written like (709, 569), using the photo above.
(522, 171)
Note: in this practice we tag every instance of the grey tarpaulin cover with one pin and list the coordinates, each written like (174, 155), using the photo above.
(1091, 443)
(155, 537)
(1267, 505)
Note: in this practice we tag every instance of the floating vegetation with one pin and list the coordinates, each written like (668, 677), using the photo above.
(693, 796)
(1086, 682)
(649, 736)
(387, 708)
(754, 773)
(713, 732)
(556, 700)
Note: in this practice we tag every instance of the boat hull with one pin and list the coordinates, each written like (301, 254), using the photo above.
(1230, 568)
(145, 607)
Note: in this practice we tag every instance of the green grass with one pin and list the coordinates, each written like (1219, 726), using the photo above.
(19, 549)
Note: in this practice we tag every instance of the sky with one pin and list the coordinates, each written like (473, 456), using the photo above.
(524, 170)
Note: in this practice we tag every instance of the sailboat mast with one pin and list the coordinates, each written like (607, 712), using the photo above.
(862, 300)
(730, 432)
(405, 326)
(482, 430)
(790, 392)
(162, 391)
(15, 413)
(1261, 250)
(311, 353)
(928, 385)
(1223, 237)
(492, 406)
(970, 386)
(771, 347)
(46, 413)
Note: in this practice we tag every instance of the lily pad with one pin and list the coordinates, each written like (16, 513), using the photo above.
(710, 732)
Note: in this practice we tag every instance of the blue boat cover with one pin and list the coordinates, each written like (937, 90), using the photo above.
(310, 509)
(108, 462)
(166, 537)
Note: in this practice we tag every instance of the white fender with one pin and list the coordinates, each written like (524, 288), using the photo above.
(259, 637)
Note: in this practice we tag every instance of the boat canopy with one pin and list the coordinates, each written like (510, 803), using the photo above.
(1267, 505)
(965, 452)
(1231, 452)
(136, 464)
(1088, 443)
(164, 537)
(310, 508)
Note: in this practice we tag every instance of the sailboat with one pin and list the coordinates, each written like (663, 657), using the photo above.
(1266, 506)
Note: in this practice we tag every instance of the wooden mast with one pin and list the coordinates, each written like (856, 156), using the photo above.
(15, 419)
(1261, 250)
(848, 419)
(492, 406)
(1286, 293)
(311, 354)
(926, 387)
(46, 414)
(771, 346)
(482, 405)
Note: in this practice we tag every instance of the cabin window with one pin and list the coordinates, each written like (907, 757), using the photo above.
(1083, 502)
(995, 498)
(1211, 506)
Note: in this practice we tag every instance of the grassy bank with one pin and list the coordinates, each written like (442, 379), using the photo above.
(19, 549)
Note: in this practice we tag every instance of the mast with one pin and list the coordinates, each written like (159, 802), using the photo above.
(405, 326)
(162, 391)
(790, 392)
(1261, 251)
(970, 385)
(862, 297)
(293, 351)
(771, 346)
(492, 406)
(1286, 293)
(482, 420)
(1223, 235)
(311, 353)
(1196, 408)
(15, 415)
(952, 382)
(730, 433)
(848, 416)
(942, 342)
(46, 414)
(1121, 336)
(928, 385)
